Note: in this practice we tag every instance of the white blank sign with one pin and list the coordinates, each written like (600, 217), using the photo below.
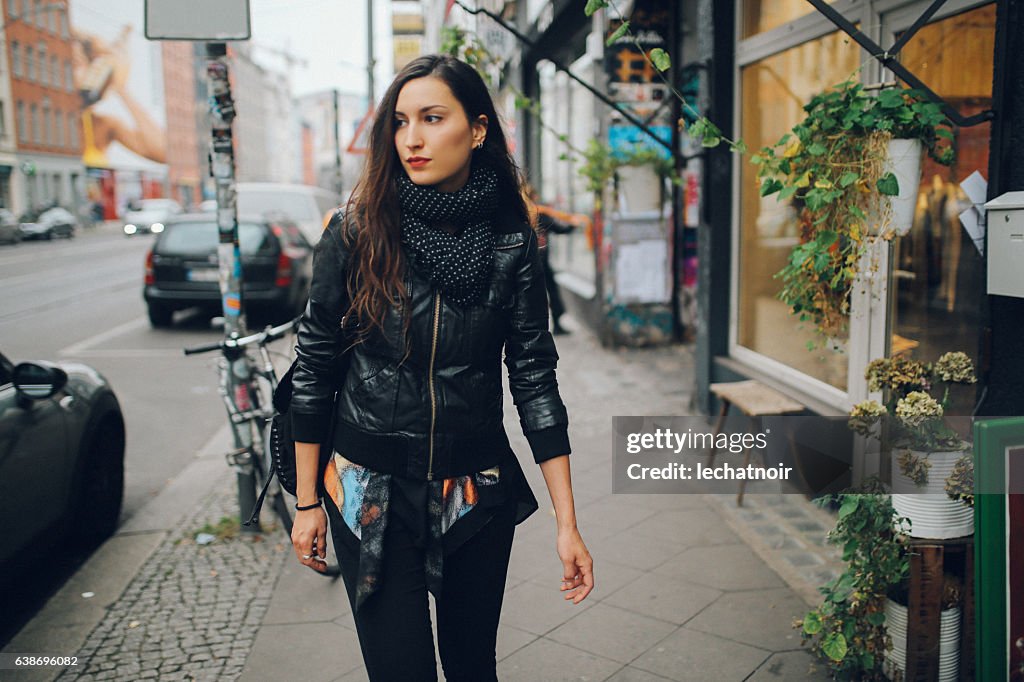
(197, 20)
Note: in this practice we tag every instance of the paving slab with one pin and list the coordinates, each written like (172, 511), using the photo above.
(761, 618)
(612, 632)
(724, 567)
(791, 666)
(537, 610)
(312, 652)
(553, 662)
(668, 599)
(690, 655)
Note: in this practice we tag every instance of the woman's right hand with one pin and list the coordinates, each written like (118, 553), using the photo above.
(309, 538)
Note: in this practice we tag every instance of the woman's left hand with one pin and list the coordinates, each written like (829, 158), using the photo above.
(577, 565)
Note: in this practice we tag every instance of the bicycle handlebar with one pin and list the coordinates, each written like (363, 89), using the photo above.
(266, 336)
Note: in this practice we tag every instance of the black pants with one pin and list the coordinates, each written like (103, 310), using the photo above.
(394, 623)
(554, 295)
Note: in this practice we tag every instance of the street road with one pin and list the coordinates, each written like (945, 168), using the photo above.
(81, 300)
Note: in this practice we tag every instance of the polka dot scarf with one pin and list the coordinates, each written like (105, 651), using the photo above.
(457, 264)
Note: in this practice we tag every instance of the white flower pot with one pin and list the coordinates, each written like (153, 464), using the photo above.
(931, 512)
(949, 641)
(904, 162)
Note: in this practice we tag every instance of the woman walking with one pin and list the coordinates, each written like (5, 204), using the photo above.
(428, 277)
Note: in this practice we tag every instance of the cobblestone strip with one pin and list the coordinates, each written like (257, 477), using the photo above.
(789, 533)
(193, 611)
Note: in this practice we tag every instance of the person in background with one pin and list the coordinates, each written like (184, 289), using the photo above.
(546, 222)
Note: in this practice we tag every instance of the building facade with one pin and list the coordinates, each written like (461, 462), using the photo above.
(45, 107)
(184, 172)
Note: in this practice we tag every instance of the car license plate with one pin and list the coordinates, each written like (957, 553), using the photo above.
(204, 275)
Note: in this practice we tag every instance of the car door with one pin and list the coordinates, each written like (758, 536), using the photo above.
(33, 448)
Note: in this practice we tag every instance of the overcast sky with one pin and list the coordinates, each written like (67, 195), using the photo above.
(325, 33)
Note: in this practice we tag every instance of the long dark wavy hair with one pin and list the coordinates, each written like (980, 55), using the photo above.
(375, 278)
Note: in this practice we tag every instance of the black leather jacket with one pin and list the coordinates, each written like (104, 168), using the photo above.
(438, 413)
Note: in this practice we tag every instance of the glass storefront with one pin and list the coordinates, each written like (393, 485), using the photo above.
(938, 273)
(933, 302)
(773, 93)
(765, 15)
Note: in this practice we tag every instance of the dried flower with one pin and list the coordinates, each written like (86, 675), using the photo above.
(897, 374)
(917, 408)
(960, 483)
(913, 467)
(955, 367)
(865, 415)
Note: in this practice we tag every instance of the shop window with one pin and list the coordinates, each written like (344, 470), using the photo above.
(938, 274)
(35, 124)
(22, 129)
(43, 64)
(764, 15)
(774, 91)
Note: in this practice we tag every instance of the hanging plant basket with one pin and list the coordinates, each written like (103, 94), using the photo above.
(851, 170)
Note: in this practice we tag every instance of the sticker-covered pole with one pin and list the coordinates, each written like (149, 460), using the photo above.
(222, 168)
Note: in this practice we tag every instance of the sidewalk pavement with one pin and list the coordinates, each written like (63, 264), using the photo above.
(687, 586)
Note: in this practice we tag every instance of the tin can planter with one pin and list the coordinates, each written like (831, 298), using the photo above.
(932, 513)
(949, 641)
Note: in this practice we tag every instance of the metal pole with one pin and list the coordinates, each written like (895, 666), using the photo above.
(370, 63)
(222, 168)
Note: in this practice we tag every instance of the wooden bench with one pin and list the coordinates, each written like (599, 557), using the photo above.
(755, 400)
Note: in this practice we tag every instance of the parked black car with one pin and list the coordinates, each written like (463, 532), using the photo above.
(182, 270)
(61, 460)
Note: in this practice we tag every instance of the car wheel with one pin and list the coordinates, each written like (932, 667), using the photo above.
(102, 487)
(49, 235)
(160, 316)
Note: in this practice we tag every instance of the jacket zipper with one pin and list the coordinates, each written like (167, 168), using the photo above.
(433, 396)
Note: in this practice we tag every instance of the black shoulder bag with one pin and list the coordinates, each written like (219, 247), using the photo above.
(281, 444)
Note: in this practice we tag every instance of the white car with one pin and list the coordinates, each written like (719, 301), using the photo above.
(53, 222)
(307, 206)
(149, 216)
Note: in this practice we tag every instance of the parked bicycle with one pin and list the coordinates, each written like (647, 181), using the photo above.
(247, 386)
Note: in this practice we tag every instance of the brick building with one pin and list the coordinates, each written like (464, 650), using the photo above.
(184, 170)
(44, 105)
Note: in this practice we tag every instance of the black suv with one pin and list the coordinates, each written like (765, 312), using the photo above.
(182, 269)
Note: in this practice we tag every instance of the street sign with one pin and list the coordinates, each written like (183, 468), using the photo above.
(197, 20)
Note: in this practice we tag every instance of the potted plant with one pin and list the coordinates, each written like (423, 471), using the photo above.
(602, 164)
(848, 630)
(896, 622)
(838, 168)
(932, 469)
